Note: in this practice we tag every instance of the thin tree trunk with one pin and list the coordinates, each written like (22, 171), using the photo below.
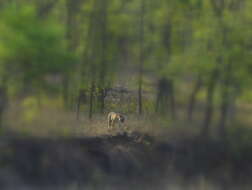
(72, 9)
(140, 97)
(3, 103)
(87, 57)
(82, 98)
(141, 60)
(91, 98)
(44, 7)
(218, 8)
(225, 102)
(103, 70)
(65, 92)
(223, 116)
(4, 99)
(210, 96)
(161, 102)
(193, 97)
(78, 108)
(102, 96)
(172, 100)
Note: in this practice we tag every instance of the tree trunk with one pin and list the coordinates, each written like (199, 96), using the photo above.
(193, 97)
(165, 97)
(82, 99)
(163, 94)
(3, 103)
(78, 109)
(102, 102)
(210, 96)
(218, 7)
(103, 71)
(65, 92)
(223, 117)
(72, 9)
(102, 96)
(140, 97)
(172, 100)
(225, 102)
(44, 7)
(91, 98)
(141, 60)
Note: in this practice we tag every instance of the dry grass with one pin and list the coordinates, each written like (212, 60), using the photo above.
(52, 121)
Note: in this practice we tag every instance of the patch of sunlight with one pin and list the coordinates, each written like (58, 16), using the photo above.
(30, 109)
(53, 102)
(246, 96)
(202, 95)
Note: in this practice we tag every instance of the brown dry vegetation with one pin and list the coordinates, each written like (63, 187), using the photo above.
(52, 122)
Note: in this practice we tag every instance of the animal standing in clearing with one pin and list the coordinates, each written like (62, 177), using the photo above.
(115, 118)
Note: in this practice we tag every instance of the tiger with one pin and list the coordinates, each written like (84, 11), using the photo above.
(115, 118)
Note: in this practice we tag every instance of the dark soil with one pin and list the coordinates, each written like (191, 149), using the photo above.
(123, 161)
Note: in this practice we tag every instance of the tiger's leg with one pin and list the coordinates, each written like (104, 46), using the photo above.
(108, 123)
(112, 123)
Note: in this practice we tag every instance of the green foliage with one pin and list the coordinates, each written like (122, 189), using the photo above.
(31, 47)
(30, 109)
(95, 41)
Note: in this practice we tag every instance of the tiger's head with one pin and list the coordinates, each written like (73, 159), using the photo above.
(121, 118)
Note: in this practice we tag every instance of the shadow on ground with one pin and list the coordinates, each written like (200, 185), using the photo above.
(125, 161)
